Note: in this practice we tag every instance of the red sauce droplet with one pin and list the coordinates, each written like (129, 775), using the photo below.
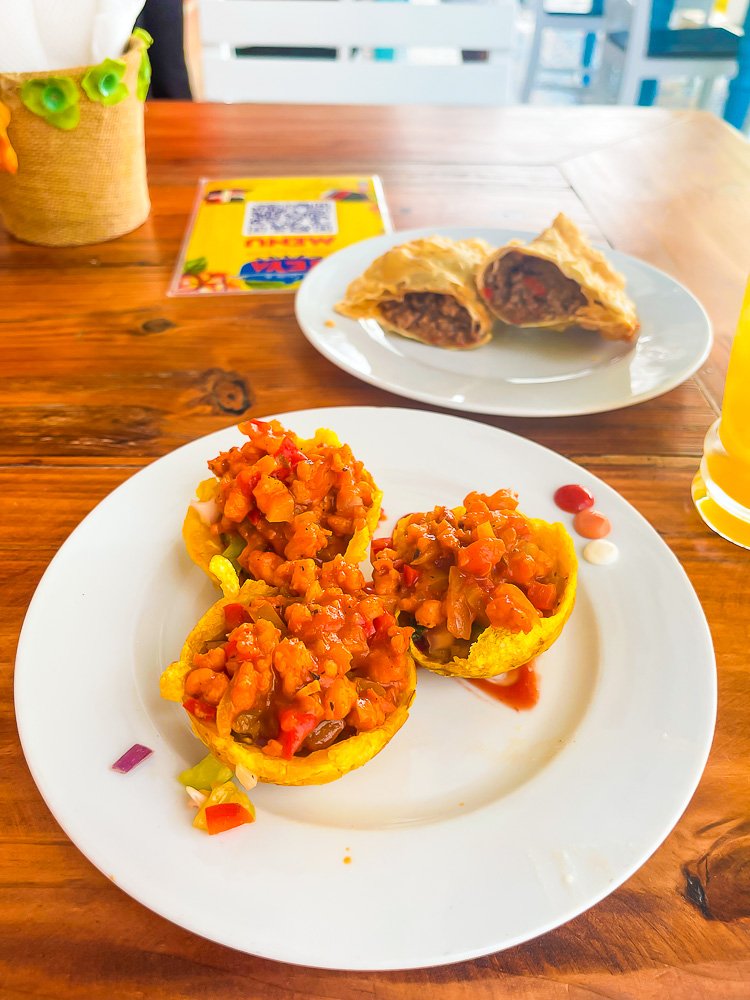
(572, 498)
(592, 524)
(521, 695)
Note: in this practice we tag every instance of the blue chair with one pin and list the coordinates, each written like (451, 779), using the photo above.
(591, 22)
(649, 51)
(738, 99)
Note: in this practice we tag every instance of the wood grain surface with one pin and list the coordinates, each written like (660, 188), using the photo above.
(101, 374)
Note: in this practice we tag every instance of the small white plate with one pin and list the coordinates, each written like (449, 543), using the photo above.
(520, 373)
(475, 829)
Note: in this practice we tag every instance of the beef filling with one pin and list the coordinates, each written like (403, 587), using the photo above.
(432, 318)
(529, 290)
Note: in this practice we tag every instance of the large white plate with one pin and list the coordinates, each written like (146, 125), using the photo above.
(520, 373)
(475, 829)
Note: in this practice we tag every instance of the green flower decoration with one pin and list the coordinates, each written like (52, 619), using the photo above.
(104, 83)
(55, 99)
(144, 70)
(144, 36)
(144, 77)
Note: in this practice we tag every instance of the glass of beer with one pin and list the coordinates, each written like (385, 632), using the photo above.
(721, 487)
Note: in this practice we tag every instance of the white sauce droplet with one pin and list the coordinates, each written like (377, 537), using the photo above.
(601, 552)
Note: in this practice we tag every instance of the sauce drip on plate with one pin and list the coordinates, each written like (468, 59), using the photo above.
(522, 694)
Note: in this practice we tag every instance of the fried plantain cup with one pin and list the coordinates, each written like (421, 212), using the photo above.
(486, 587)
(280, 493)
(558, 280)
(298, 689)
(425, 290)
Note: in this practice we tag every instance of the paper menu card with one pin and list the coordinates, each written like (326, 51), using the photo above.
(263, 234)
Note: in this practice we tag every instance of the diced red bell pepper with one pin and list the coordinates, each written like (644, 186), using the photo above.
(381, 543)
(410, 575)
(226, 816)
(295, 727)
(290, 452)
(365, 624)
(234, 615)
(383, 622)
(535, 286)
(200, 709)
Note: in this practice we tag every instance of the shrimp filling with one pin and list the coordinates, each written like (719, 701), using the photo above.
(274, 497)
(317, 663)
(454, 572)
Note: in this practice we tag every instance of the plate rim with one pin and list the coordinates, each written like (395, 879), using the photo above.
(468, 954)
(392, 238)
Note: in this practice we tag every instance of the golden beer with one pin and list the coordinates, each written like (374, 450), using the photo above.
(721, 487)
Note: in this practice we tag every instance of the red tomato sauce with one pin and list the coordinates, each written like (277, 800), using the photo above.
(521, 695)
(573, 498)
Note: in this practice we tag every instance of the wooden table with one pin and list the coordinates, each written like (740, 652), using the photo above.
(102, 374)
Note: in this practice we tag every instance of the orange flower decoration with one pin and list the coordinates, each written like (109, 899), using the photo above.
(8, 158)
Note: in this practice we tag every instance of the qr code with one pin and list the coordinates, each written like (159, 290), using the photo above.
(290, 218)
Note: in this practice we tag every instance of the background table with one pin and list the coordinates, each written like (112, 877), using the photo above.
(102, 374)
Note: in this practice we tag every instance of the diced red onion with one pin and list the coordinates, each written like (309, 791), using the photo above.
(131, 758)
(207, 510)
(245, 777)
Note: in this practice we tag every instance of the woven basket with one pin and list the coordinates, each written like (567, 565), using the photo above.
(85, 185)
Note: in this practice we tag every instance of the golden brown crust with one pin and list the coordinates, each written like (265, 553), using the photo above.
(199, 541)
(437, 265)
(608, 310)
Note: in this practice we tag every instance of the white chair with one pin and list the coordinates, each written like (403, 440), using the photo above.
(591, 24)
(636, 51)
(364, 25)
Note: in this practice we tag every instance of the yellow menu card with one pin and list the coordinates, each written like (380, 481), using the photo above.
(263, 234)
